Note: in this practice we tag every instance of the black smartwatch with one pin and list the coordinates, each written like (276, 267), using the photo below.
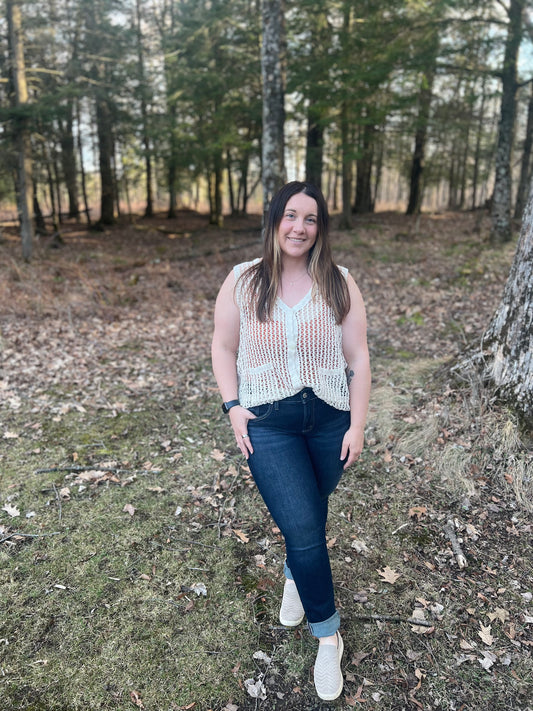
(226, 406)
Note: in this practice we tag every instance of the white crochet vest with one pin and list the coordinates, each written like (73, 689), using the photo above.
(299, 347)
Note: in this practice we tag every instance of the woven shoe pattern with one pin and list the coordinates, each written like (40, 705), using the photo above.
(328, 674)
(292, 611)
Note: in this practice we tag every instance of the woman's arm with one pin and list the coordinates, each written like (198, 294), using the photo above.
(224, 349)
(358, 373)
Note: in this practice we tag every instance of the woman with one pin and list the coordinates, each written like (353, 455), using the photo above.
(291, 361)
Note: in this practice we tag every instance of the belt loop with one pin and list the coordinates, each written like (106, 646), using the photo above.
(276, 404)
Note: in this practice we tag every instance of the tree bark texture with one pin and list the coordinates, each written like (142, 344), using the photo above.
(21, 130)
(508, 341)
(501, 229)
(273, 79)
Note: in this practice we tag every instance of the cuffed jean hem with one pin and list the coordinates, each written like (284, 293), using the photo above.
(287, 571)
(318, 629)
(327, 627)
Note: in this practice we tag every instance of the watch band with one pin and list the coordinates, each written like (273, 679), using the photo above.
(226, 406)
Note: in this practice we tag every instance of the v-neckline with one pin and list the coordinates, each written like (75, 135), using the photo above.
(298, 305)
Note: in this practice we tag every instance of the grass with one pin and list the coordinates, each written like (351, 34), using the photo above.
(102, 605)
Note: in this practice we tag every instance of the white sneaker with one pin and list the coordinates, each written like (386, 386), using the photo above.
(328, 674)
(292, 611)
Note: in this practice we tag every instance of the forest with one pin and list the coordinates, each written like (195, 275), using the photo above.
(118, 106)
(141, 142)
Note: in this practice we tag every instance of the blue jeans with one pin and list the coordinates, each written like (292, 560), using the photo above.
(296, 465)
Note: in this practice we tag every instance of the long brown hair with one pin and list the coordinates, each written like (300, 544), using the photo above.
(263, 279)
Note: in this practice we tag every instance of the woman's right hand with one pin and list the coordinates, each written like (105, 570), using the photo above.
(239, 417)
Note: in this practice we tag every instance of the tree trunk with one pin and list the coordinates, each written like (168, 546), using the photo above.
(363, 184)
(105, 154)
(82, 166)
(417, 166)
(68, 161)
(149, 211)
(24, 183)
(525, 167)
(477, 153)
(346, 149)
(214, 180)
(314, 148)
(273, 80)
(346, 161)
(508, 341)
(501, 229)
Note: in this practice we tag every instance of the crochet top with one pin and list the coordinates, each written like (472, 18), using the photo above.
(298, 347)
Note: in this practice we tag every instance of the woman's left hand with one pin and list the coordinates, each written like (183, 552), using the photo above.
(352, 445)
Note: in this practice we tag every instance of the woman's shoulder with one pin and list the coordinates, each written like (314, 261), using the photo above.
(239, 269)
(343, 270)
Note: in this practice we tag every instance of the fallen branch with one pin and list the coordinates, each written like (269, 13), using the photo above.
(58, 499)
(94, 468)
(28, 535)
(393, 618)
(449, 530)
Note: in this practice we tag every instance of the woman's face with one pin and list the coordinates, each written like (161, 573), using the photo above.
(297, 230)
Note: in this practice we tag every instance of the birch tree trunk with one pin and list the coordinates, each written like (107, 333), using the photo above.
(508, 341)
(501, 230)
(21, 128)
(273, 78)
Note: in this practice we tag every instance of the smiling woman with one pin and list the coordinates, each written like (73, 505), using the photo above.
(291, 361)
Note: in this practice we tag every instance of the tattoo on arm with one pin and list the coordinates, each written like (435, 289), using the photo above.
(349, 375)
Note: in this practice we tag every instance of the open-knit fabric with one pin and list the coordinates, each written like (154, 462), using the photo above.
(298, 347)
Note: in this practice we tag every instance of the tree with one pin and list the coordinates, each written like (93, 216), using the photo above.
(143, 91)
(525, 166)
(501, 229)
(508, 340)
(424, 103)
(21, 130)
(272, 72)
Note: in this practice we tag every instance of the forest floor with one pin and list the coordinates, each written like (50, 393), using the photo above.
(138, 566)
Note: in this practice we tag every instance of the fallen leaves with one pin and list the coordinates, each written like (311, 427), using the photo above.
(389, 575)
(243, 538)
(136, 699)
(11, 510)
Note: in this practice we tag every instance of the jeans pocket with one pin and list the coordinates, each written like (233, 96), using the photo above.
(261, 412)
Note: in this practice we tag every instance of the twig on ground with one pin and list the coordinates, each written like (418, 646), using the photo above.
(393, 618)
(28, 535)
(400, 528)
(58, 499)
(449, 530)
(96, 467)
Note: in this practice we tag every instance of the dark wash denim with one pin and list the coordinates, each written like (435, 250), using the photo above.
(296, 465)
